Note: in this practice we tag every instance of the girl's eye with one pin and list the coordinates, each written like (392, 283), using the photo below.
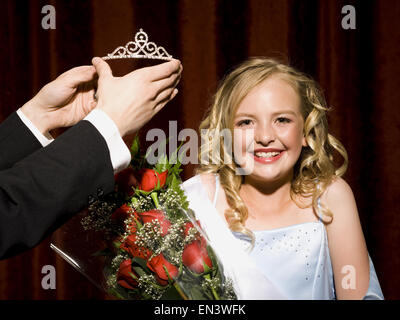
(283, 120)
(244, 122)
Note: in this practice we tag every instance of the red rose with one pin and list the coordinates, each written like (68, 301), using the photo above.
(157, 266)
(126, 180)
(122, 213)
(124, 278)
(195, 254)
(159, 215)
(130, 246)
(189, 225)
(150, 178)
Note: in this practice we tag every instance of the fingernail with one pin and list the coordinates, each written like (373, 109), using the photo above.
(95, 60)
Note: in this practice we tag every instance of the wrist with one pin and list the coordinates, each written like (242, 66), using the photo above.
(114, 117)
(37, 116)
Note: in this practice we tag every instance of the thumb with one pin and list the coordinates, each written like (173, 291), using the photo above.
(79, 75)
(102, 67)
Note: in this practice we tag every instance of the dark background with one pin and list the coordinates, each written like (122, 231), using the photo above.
(358, 70)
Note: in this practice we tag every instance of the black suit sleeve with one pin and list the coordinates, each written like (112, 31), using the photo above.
(43, 190)
(16, 141)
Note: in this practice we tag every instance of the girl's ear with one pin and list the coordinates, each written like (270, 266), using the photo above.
(304, 142)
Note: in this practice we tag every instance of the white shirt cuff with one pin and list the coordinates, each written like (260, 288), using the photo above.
(43, 139)
(119, 152)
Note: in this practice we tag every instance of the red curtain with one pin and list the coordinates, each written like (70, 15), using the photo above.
(358, 69)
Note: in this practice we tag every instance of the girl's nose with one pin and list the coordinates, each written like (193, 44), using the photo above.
(264, 135)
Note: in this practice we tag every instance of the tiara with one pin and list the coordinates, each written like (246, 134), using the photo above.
(140, 48)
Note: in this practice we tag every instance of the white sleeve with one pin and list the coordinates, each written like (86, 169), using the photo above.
(119, 152)
(43, 139)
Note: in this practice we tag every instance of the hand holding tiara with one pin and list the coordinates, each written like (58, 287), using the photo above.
(132, 100)
(141, 48)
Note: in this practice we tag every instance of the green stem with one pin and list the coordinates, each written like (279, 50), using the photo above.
(135, 202)
(138, 224)
(215, 294)
(179, 289)
(175, 284)
(153, 195)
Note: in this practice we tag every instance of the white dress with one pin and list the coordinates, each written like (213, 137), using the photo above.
(286, 263)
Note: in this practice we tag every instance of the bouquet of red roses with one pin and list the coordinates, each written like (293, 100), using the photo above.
(156, 249)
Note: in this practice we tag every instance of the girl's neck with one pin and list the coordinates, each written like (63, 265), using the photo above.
(269, 196)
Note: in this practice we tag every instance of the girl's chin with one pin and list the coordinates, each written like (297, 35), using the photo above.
(263, 177)
(262, 173)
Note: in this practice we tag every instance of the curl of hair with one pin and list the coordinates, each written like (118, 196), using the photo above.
(315, 168)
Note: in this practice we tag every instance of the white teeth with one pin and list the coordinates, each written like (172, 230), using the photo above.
(266, 154)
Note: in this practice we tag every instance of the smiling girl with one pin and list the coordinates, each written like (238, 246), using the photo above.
(288, 214)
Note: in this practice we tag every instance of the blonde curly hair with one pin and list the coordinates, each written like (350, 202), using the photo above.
(314, 170)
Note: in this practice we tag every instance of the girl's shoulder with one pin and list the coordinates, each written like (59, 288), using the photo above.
(347, 245)
(337, 192)
(208, 180)
(204, 181)
(339, 199)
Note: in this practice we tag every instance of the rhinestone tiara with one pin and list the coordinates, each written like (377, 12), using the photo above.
(141, 48)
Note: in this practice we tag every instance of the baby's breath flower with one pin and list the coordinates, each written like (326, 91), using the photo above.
(192, 235)
(172, 244)
(146, 283)
(143, 203)
(171, 199)
(117, 260)
(150, 235)
(112, 281)
(98, 219)
(228, 291)
(210, 283)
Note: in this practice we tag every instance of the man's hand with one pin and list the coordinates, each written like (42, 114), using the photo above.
(132, 100)
(64, 101)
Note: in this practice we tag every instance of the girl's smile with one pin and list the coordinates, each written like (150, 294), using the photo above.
(267, 155)
(268, 130)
